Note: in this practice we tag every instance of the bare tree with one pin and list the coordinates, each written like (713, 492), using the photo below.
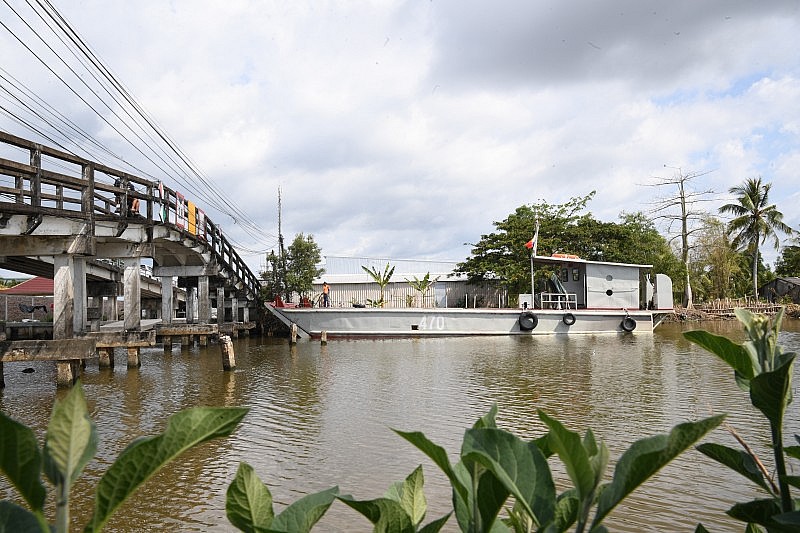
(681, 209)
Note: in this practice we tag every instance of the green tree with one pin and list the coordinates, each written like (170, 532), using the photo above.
(302, 259)
(755, 220)
(715, 262)
(382, 279)
(501, 256)
(788, 263)
(275, 278)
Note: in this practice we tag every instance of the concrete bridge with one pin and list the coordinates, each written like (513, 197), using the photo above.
(91, 228)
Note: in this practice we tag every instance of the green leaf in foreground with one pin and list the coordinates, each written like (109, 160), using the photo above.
(301, 516)
(144, 457)
(410, 495)
(16, 519)
(385, 514)
(248, 504)
(71, 440)
(744, 365)
(646, 457)
(21, 461)
(737, 460)
(519, 466)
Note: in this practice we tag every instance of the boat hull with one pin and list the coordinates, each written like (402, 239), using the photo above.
(411, 322)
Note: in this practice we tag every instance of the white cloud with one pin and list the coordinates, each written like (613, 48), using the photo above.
(406, 128)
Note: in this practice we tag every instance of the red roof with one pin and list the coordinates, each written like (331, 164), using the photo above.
(33, 287)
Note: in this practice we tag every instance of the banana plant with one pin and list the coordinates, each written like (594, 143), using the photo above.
(422, 285)
(381, 278)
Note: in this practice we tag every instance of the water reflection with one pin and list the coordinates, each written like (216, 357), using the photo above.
(323, 416)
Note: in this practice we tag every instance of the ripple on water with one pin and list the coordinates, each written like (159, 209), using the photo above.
(323, 415)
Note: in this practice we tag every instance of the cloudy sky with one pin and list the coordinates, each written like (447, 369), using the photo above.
(404, 129)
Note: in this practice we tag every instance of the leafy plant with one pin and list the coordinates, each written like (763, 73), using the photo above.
(422, 285)
(765, 372)
(248, 505)
(381, 278)
(495, 465)
(71, 442)
(402, 508)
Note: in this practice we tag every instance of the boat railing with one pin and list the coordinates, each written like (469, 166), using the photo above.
(559, 300)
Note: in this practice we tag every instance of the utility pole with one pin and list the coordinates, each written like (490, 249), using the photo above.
(281, 254)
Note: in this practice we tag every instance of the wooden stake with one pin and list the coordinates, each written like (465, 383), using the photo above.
(228, 355)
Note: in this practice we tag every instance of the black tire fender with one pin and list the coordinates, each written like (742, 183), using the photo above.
(568, 319)
(628, 324)
(528, 321)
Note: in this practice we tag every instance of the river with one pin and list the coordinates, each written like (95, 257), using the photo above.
(322, 416)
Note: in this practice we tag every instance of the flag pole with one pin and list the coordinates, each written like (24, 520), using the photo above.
(533, 254)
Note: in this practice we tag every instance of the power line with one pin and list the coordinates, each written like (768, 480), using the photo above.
(173, 161)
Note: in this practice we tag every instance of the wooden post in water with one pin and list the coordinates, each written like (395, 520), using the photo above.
(106, 357)
(228, 355)
(293, 339)
(324, 339)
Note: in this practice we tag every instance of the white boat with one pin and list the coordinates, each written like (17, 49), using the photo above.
(581, 297)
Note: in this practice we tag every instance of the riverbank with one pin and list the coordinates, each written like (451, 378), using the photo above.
(694, 314)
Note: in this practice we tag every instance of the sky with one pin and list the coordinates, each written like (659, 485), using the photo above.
(404, 129)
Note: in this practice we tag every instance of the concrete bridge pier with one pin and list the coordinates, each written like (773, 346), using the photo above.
(203, 300)
(131, 283)
(220, 305)
(67, 372)
(106, 356)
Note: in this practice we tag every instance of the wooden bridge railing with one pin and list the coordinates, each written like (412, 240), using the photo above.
(60, 184)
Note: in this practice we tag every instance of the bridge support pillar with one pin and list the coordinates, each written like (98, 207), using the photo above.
(67, 372)
(191, 305)
(203, 300)
(234, 309)
(133, 357)
(63, 297)
(166, 300)
(106, 357)
(79, 321)
(132, 294)
(220, 305)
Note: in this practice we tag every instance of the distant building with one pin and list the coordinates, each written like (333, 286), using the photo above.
(30, 300)
(779, 289)
(351, 285)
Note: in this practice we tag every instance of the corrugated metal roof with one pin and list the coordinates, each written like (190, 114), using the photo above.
(37, 286)
(340, 269)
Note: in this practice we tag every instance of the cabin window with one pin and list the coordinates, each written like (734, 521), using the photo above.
(609, 292)
(609, 278)
(576, 274)
(564, 275)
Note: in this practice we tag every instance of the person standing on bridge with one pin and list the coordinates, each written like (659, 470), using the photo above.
(325, 294)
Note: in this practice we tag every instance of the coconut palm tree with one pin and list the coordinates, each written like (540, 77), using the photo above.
(754, 220)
